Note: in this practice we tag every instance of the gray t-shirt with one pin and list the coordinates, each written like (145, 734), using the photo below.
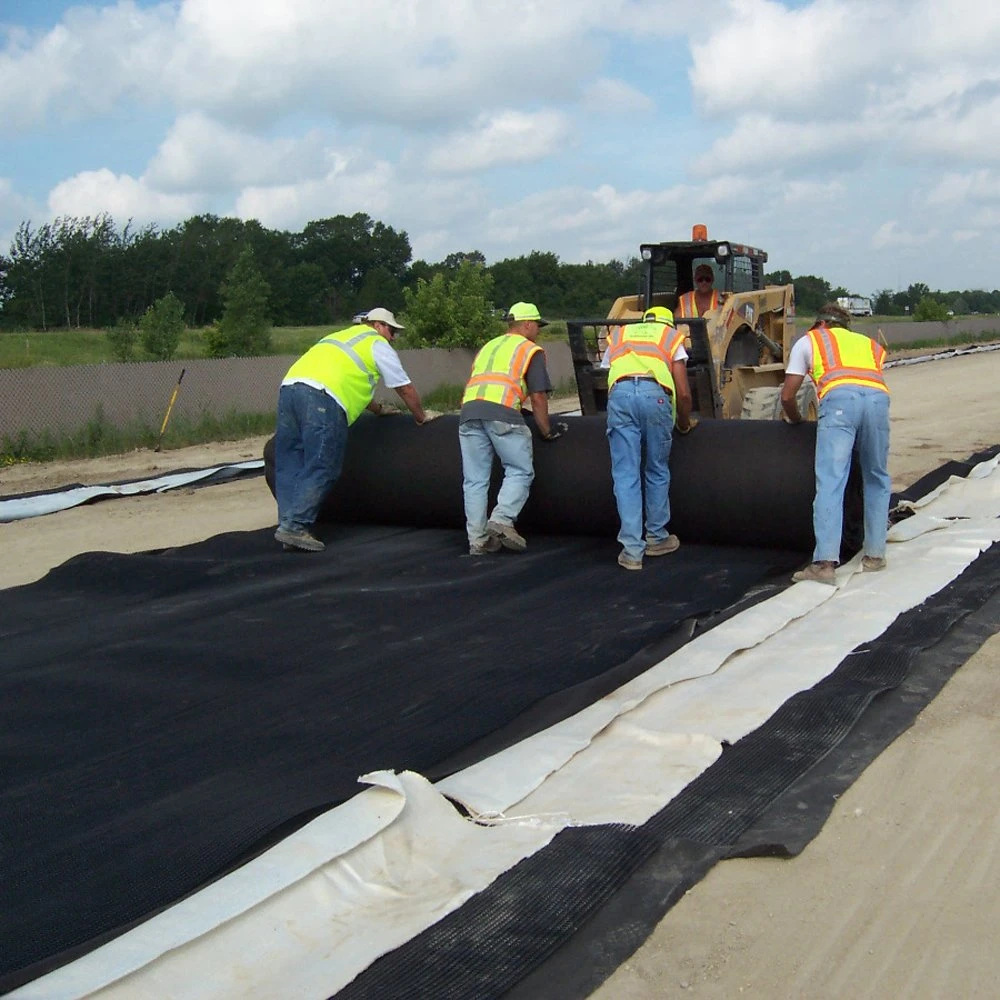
(537, 380)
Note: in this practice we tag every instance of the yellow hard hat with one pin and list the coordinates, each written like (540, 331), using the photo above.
(658, 314)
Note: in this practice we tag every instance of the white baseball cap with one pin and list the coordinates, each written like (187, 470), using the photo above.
(381, 315)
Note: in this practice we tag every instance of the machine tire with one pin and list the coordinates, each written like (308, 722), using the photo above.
(762, 404)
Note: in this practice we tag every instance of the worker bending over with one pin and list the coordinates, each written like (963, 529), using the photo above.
(506, 371)
(648, 393)
(322, 394)
(853, 417)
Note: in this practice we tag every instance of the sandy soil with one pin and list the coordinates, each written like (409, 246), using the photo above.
(900, 893)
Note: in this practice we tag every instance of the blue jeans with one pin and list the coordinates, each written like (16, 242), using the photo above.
(640, 418)
(479, 440)
(851, 418)
(309, 447)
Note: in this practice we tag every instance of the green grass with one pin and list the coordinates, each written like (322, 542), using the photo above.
(63, 348)
(98, 437)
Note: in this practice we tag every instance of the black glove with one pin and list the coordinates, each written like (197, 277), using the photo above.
(556, 431)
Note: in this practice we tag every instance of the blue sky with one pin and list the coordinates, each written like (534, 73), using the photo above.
(853, 140)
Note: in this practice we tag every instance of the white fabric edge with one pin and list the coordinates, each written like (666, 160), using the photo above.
(330, 835)
(49, 503)
(313, 937)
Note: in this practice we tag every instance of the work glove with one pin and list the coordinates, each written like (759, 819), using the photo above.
(692, 424)
(556, 430)
(429, 415)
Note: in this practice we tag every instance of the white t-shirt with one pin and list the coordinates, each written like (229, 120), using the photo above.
(390, 368)
(389, 365)
(800, 357)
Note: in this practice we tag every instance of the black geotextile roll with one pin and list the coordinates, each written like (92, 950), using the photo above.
(733, 482)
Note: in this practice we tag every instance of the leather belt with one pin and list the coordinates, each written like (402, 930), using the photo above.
(642, 378)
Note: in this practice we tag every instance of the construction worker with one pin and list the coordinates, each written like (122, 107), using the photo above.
(853, 417)
(322, 394)
(506, 371)
(696, 303)
(648, 394)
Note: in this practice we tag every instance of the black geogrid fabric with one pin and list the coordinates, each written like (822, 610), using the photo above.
(492, 943)
(163, 716)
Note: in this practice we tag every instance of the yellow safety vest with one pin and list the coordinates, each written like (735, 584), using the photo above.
(644, 349)
(345, 364)
(688, 309)
(499, 369)
(842, 357)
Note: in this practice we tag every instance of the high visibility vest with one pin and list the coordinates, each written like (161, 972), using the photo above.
(842, 357)
(644, 349)
(499, 369)
(687, 309)
(345, 364)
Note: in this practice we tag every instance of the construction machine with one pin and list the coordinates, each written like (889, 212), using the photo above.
(736, 352)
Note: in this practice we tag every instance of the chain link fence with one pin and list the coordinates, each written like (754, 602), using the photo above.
(50, 411)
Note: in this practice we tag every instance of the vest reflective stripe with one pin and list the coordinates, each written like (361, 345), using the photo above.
(344, 363)
(644, 349)
(499, 369)
(687, 309)
(842, 357)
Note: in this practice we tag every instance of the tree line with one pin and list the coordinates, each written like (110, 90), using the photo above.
(89, 272)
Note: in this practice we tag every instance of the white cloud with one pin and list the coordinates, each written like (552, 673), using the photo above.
(14, 209)
(507, 137)
(93, 192)
(891, 234)
(608, 96)
(201, 154)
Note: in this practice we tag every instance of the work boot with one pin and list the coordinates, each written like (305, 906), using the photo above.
(872, 564)
(492, 544)
(818, 572)
(662, 546)
(628, 562)
(301, 540)
(509, 538)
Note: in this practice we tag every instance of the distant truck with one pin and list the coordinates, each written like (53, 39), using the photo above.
(856, 305)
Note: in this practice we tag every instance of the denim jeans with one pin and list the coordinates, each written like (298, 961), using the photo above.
(640, 419)
(851, 418)
(479, 440)
(309, 447)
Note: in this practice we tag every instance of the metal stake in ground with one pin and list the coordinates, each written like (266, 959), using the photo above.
(170, 406)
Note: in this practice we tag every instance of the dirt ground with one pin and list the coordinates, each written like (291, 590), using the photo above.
(900, 893)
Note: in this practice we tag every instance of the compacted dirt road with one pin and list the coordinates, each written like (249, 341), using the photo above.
(900, 893)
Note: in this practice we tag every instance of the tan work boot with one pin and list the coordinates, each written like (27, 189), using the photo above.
(492, 544)
(627, 562)
(509, 538)
(872, 564)
(301, 540)
(663, 546)
(817, 572)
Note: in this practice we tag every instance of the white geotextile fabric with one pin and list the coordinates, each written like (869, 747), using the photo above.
(728, 682)
(311, 913)
(310, 932)
(19, 508)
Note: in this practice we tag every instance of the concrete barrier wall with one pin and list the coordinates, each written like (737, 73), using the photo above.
(906, 332)
(64, 399)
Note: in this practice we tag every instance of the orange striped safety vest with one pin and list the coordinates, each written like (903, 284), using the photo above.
(687, 309)
(498, 371)
(644, 349)
(842, 357)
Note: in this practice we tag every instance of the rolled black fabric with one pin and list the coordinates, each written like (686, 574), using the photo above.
(733, 482)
